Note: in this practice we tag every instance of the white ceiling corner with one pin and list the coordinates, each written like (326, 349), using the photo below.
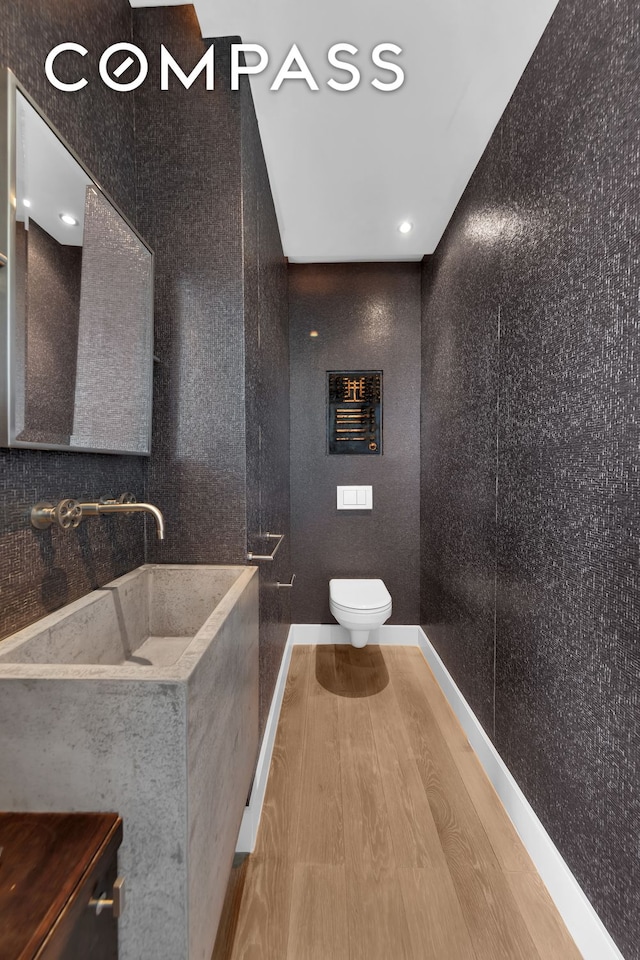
(347, 168)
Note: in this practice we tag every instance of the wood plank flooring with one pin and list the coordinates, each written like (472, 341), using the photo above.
(381, 837)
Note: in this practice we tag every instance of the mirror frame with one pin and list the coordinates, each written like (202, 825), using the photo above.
(9, 87)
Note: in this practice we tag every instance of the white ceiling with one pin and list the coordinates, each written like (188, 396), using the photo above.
(48, 177)
(347, 168)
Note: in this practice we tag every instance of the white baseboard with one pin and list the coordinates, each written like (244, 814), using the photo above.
(388, 634)
(583, 923)
(251, 817)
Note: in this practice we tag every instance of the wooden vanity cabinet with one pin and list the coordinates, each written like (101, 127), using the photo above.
(51, 866)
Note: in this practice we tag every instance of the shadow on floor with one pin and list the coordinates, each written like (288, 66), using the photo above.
(350, 672)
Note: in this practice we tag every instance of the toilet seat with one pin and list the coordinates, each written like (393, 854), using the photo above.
(368, 596)
(358, 611)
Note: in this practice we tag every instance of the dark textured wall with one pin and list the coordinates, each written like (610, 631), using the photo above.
(52, 317)
(266, 320)
(42, 571)
(190, 197)
(368, 318)
(220, 461)
(531, 373)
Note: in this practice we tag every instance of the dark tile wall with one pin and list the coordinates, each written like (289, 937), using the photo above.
(530, 436)
(458, 450)
(367, 316)
(39, 571)
(220, 461)
(267, 399)
(190, 198)
(52, 318)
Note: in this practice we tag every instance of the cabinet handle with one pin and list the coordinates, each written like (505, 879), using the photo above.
(116, 903)
(3, 260)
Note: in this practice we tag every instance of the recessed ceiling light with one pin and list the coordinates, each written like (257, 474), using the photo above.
(405, 227)
(313, 334)
(68, 219)
(26, 203)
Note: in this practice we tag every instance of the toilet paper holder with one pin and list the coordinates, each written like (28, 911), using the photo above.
(286, 586)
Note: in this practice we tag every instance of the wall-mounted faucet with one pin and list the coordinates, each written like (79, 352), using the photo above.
(69, 513)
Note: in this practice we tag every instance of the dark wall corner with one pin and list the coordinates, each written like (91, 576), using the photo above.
(367, 316)
(220, 462)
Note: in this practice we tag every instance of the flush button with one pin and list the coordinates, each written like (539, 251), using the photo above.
(355, 498)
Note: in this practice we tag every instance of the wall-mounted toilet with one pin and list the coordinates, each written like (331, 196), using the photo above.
(360, 606)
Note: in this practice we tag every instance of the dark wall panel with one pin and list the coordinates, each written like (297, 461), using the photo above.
(553, 213)
(267, 398)
(189, 191)
(52, 318)
(368, 318)
(42, 571)
(458, 444)
(220, 462)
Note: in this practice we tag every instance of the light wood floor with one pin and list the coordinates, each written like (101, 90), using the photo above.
(381, 837)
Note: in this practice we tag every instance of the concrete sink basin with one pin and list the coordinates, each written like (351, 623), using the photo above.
(146, 618)
(142, 698)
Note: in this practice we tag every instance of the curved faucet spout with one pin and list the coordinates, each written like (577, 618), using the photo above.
(111, 506)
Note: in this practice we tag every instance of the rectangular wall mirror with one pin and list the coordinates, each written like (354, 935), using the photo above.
(76, 298)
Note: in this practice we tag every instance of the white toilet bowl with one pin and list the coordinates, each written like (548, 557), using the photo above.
(360, 606)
